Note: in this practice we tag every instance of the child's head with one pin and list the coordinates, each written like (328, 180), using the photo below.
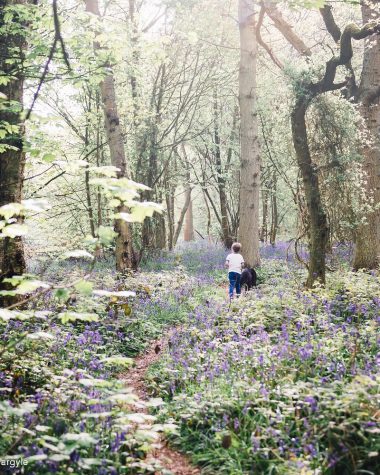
(236, 247)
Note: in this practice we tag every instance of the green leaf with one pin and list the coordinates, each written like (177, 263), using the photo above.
(41, 428)
(34, 152)
(106, 235)
(61, 294)
(6, 315)
(128, 398)
(90, 461)
(48, 157)
(73, 317)
(28, 286)
(78, 254)
(93, 382)
(59, 457)
(107, 170)
(127, 217)
(36, 458)
(116, 293)
(83, 439)
(14, 230)
(144, 210)
(11, 209)
(117, 361)
(40, 336)
(84, 287)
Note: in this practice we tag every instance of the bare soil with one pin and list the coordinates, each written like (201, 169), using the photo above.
(171, 460)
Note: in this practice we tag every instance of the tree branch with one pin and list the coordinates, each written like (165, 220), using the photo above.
(261, 42)
(286, 29)
(330, 23)
(351, 31)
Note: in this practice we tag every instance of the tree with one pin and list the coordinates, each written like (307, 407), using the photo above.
(226, 234)
(367, 249)
(250, 153)
(125, 258)
(12, 154)
(306, 91)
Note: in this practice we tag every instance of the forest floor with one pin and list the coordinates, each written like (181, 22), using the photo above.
(171, 460)
(282, 381)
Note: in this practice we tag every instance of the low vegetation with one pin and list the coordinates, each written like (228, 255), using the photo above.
(282, 381)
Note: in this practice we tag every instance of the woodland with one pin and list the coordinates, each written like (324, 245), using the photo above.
(139, 139)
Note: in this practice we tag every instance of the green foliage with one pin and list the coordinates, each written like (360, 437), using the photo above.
(63, 373)
(283, 381)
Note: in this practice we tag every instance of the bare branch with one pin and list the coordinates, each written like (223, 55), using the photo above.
(286, 29)
(261, 42)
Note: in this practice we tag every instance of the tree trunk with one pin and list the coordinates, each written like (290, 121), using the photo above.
(185, 214)
(188, 234)
(221, 179)
(90, 210)
(124, 247)
(160, 232)
(318, 229)
(274, 222)
(169, 213)
(264, 226)
(250, 153)
(367, 249)
(12, 161)
(99, 162)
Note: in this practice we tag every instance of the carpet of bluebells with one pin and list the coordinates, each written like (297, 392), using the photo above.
(282, 381)
(63, 406)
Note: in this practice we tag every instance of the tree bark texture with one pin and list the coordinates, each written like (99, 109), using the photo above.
(227, 241)
(367, 249)
(318, 229)
(184, 215)
(307, 91)
(12, 162)
(274, 209)
(124, 253)
(249, 146)
(264, 225)
(188, 234)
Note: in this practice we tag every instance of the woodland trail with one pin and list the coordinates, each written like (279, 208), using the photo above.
(172, 461)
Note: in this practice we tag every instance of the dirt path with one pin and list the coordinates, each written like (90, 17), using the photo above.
(175, 462)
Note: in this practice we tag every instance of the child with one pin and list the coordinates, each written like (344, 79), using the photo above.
(234, 262)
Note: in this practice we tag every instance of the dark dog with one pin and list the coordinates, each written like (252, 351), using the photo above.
(248, 279)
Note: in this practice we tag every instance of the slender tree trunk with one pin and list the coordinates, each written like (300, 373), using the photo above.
(208, 226)
(170, 218)
(188, 234)
(170, 189)
(274, 209)
(136, 59)
(264, 226)
(220, 178)
(124, 249)
(318, 230)
(367, 249)
(12, 160)
(99, 162)
(185, 214)
(250, 153)
(90, 210)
